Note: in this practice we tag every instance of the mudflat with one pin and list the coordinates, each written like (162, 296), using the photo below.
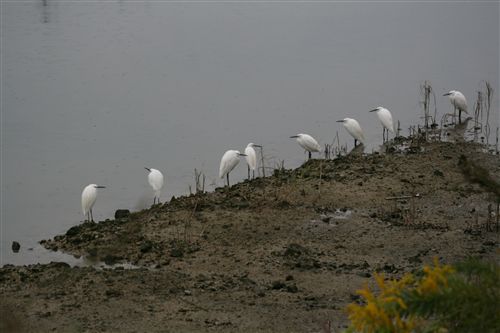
(285, 253)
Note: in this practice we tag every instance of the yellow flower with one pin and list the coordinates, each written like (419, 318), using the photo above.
(434, 278)
(381, 312)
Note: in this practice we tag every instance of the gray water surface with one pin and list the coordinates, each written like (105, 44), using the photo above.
(93, 92)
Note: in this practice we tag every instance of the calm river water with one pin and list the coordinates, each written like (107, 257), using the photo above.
(94, 91)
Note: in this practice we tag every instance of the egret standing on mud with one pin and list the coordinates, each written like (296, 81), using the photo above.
(89, 195)
(155, 179)
(307, 142)
(385, 118)
(251, 158)
(352, 126)
(457, 99)
(229, 161)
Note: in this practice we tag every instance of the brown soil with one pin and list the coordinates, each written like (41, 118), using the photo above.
(275, 254)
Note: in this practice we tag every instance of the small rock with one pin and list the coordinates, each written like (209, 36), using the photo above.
(57, 264)
(146, 246)
(114, 293)
(292, 288)
(15, 247)
(111, 259)
(187, 292)
(276, 285)
(438, 173)
(122, 214)
(326, 218)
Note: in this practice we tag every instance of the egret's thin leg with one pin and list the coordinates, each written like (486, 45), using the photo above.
(91, 215)
(253, 174)
(355, 142)
(310, 155)
(248, 168)
(227, 179)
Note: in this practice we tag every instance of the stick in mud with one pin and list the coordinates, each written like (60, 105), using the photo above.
(262, 161)
(487, 106)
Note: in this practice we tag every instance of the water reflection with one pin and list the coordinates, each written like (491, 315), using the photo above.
(40, 255)
(45, 11)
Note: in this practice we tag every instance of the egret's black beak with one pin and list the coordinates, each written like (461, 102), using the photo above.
(447, 94)
(100, 186)
(147, 169)
(373, 110)
(294, 136)
(241, 154)
(341, 121)
(257, 146)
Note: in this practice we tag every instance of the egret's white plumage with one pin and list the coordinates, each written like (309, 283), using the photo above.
(155, 179)
(352, 126)
(229, 161)
(457, 99)
(307, 142)
(251, 157)
(89, 195)
(385, 118)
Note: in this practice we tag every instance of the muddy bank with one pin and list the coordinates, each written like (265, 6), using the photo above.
(284, 253)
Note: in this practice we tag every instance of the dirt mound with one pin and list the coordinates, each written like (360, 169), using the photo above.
(282, 253)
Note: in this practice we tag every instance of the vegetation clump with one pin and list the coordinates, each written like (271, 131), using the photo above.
(440, 298)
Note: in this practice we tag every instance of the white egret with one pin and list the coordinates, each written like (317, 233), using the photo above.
(155, 179)
(229, 161)
(251, 158)
(352, 126)
(307, 142)
(385, 118)
(89, 196)
(457, 99)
